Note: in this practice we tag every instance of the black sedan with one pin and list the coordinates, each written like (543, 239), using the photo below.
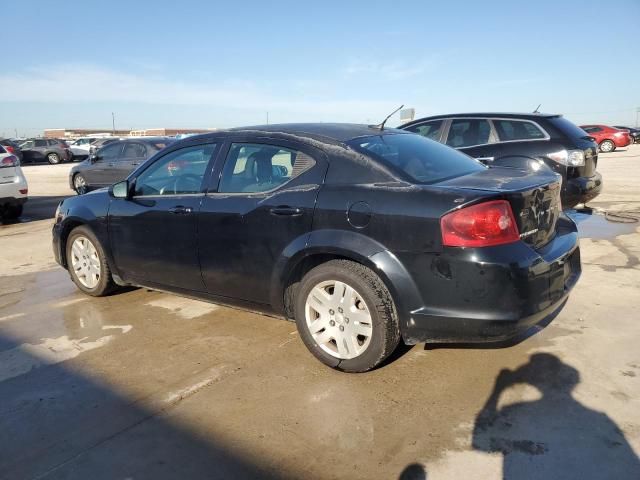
(523, 140)
(113, 162)
(363, 236)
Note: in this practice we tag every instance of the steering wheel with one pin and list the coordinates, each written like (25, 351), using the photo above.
(188, 180)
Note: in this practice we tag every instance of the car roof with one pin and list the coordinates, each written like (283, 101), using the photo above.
(324, 132)
(526, 116)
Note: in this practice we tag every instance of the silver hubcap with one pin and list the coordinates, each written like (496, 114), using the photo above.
(80, 184)
(606, 146)
(338, 319)
(85, 262)
(53, 158)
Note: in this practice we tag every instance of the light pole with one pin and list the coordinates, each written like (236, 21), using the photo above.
(113, 122)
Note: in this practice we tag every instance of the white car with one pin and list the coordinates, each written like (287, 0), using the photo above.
(81, 146)
(13, 186)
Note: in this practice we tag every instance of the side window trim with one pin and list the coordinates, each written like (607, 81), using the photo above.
(536, 124)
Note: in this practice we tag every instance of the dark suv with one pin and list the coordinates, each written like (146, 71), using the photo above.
(522, 140)
(364, 236)
(40, 149)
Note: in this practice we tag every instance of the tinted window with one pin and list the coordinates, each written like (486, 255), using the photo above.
(28, 144)
(40, 143)
(592, 129)
(423, 160)
(134, 150)
(2, 150)
(517, 130)
(177, 173)
(109, 153)
(466, 132)
(431, 130)
(260, 168)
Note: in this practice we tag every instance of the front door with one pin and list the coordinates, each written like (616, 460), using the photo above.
(264, 202)
(153, 235)
(98, 173)
(134, 154)
(472, 136)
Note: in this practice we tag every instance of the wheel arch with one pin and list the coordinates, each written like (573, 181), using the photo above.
(324, 245)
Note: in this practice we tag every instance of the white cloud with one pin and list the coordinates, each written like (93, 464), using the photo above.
(90, 83)
(396, 70)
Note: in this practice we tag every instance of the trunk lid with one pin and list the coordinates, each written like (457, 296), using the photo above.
(534, 198)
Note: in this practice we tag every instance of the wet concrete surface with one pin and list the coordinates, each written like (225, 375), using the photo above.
(144, 384)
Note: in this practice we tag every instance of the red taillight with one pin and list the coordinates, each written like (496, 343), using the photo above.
(24, 191)
(10, 149)
(9, 161)
(481, 225)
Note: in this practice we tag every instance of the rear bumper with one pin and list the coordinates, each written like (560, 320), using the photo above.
(622, 141)
(581, 190)
(495, 293)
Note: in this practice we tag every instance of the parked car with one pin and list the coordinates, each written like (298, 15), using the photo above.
(364, 236)
(522, 140)
(80, 147)
(634, 132)
(11, 147)
(13, 186)
(113, 162)
(101, 142)
(40, 149)
(608, 138)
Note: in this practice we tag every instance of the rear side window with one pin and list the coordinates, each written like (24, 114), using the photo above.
(467, 132)
(134, 150)
(425, 161)
(430, 130)
(592, 129)
(251, 168)
(41, 143)
(509, 130)
(570, 129)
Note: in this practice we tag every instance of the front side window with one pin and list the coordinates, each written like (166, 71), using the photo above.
(251, 168)
(28, 144)
(178, 173)
(109, 153)
(509, 130)
(430, 130)
(425, 161)
(467, 132)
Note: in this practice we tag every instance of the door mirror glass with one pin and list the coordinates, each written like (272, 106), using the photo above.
(120, 189)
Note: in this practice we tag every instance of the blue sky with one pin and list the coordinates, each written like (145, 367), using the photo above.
(218, 64)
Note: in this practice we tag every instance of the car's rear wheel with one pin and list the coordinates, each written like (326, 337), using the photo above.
(607, 146)
(13, 212)
(346, 316)
(87, 263)
(53, 158)
(79, 184)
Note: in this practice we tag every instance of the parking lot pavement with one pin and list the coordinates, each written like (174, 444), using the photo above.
(148, 385)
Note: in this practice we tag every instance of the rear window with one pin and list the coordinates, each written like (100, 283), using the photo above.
(567, 127)
(425, 161)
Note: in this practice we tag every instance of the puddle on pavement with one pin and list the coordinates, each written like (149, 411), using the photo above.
(596, 226)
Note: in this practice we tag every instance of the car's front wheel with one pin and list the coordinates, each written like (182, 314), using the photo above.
(87, 263)
(53, 158)
(607, 146)
(79, 184)
(346, 316)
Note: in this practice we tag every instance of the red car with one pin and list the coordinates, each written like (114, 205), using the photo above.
(608, 138)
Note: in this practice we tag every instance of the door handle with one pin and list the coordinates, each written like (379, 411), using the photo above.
(180, 210)
(485, 159)
(286, 211)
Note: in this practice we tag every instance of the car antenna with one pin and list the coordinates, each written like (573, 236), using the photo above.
(381, 126)
(537, 110)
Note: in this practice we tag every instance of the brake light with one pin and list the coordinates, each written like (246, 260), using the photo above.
(9, 161)
(9, 149)
(481, 225)
(24, 191)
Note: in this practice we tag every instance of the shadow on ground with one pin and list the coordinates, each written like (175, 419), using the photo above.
(57, 423)
(38, 208)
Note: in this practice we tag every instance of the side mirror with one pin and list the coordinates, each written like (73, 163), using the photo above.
(120, 190)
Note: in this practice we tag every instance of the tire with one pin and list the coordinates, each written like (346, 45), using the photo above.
(606, 146)
(370, 301)
(79, 184)
(88, 257)
(14, 212)
(53, 158)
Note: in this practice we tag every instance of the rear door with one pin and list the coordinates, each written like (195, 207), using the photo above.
(473, 136)
(154, 234)
(133, 154)
(263, 202)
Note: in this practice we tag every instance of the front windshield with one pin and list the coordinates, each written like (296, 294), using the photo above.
(425, 161)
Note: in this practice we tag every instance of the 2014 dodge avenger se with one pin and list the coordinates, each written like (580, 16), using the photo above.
(362, 235)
